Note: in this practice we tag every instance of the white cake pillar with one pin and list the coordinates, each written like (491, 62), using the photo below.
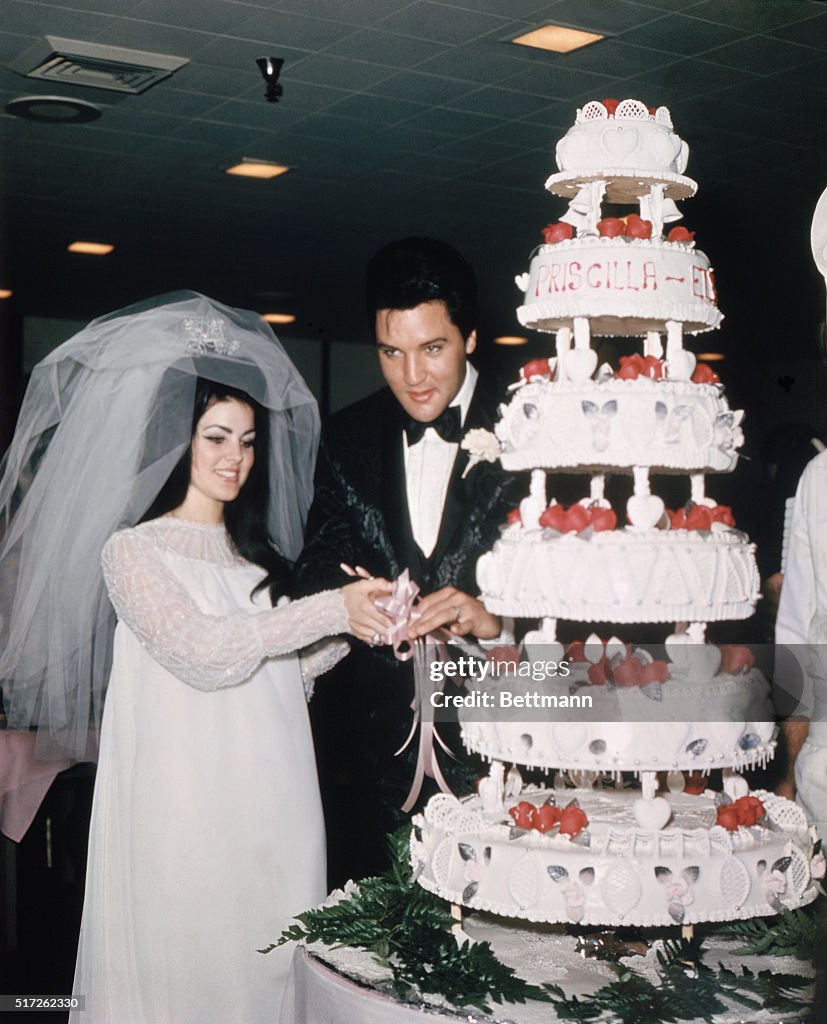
(653, 346)
(644, 509)
(532, 507)
(651, 208)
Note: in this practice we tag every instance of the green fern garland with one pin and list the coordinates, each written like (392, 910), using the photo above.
(408, 930)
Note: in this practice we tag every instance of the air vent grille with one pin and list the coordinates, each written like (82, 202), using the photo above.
(113, 68)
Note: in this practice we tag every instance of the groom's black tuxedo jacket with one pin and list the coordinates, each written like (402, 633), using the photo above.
(360, 516)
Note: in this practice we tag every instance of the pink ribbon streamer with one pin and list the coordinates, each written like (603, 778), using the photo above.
(400, 606)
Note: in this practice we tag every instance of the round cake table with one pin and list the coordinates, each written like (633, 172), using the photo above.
(348, 986)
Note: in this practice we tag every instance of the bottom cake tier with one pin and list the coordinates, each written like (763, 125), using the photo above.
(615, 872)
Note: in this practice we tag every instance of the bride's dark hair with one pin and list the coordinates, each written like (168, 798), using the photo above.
(246, 517)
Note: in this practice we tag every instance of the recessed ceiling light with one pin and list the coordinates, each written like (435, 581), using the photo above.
(510, 339)
(279, 318)
(53, 109)
(92, 248)
(257, 169)
(711, 357)
(6, 293)
(557, 38)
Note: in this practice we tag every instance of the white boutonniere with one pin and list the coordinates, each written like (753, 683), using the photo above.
(482, 445)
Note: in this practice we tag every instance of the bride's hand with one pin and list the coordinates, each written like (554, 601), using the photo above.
(365, 621)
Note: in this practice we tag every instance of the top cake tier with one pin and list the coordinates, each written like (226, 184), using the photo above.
(628, 146)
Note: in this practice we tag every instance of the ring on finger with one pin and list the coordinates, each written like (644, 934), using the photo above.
(457, 613)
(375, 640)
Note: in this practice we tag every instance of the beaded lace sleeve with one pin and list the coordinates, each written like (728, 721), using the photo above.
(205, 651)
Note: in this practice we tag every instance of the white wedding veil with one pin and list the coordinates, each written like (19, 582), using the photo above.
(105, 418)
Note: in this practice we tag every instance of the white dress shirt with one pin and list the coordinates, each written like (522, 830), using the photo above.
(802, 623)
(428, 467)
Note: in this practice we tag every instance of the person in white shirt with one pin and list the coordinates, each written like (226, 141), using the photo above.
(802, 625)
(393, 491)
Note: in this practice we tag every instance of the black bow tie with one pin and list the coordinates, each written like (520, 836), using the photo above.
(447, 425)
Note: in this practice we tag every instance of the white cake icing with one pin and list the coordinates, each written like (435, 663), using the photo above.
(665, 424)
(616, 872)
(624, 286)
(629, 727)
(643, 859)
(629, 149)
(620, 575)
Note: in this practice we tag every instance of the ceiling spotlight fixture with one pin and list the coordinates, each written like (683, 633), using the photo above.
(270, 68)
(257, 169)
(6, 293)
(279, 318)
(91, 248)
(53, 109)
(511, 339)
(557, 39)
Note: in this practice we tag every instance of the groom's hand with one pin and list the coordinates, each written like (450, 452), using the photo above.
(458, 612)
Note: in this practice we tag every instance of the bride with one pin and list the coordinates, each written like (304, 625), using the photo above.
(207, 833)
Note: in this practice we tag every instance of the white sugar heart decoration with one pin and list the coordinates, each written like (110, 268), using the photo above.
(593, 648)
(652, 814)
(578, 364)
(680, 365)
(645, 510)
(704, 662)
(678, 649)
(521, 280)
(734, 785)
(615, 647)
(619, 143)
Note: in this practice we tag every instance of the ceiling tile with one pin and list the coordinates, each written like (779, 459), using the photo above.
(504, 103)
(441, 23)
(614, 57)
(426, 88)
(143, 35)
(375, 109)
(228, 52)
(487, 63)
(812, 32)
(761, 54)
(27, 18)
(218, 16)
(363, 13)
(556, 81)
(326, 125)
(813, 75)
(449, 122)
(686, 78)
(533, 133)
(408, 139)
(770, 94)
(385, 48)
(675, 33)
(337, 72)
(212, 80)
(598, 16)
(755, 17)
(282, 28)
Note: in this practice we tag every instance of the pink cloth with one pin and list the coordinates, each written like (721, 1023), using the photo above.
(24, 782)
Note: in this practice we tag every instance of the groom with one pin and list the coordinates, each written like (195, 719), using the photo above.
(392, 493)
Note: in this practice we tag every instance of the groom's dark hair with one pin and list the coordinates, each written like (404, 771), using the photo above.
(405, 273)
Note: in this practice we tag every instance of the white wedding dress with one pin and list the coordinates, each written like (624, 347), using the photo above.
(207, 834)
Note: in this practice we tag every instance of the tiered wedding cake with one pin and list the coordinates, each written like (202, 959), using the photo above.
(598, 855)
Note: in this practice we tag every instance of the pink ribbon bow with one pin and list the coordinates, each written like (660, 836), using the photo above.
(399, 605)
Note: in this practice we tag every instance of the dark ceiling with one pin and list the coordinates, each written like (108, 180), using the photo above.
(402, 117)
